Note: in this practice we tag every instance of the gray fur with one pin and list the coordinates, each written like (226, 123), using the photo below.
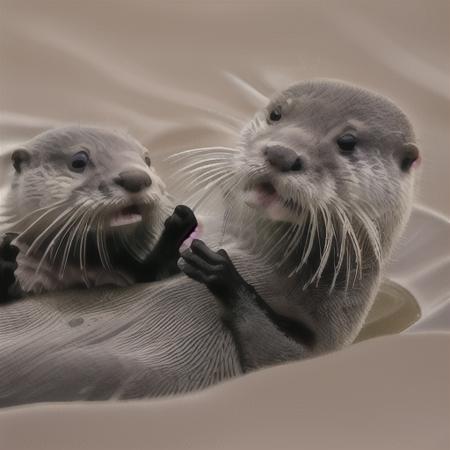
(47, 200)
(168, 337)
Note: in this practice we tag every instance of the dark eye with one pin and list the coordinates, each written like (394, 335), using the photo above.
(148, 161)
(347, 143)
(79, 161)
(275, 115)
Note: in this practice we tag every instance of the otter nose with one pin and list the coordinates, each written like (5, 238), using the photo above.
(282, 158)
(133, 180)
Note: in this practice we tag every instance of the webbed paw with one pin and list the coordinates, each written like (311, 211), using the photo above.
(213, 269)
(8, 265)
(180, 224)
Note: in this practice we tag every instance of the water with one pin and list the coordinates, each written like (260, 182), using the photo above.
(394, 310)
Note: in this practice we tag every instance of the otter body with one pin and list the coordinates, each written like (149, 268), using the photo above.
(316, 193)
(86, 208)
(319, 187)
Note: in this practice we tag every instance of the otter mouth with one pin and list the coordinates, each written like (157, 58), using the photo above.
(129, 215)
(262, 194)
(266, 193)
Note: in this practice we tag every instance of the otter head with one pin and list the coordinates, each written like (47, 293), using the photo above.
(335, 157)
(76, 180)
(324, 172)
(325, 143)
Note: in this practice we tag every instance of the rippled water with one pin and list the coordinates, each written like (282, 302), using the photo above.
(394, 310)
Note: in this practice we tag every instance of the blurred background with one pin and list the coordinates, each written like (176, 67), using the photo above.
(179, 74)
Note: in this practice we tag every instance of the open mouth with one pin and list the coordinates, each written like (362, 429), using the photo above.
(266, 194)
(262, 194)
(126, 216)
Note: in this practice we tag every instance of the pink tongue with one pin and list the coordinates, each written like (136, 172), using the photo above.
(266, 196)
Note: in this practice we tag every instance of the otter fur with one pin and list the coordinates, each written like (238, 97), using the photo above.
(316, 193)
(86, 208)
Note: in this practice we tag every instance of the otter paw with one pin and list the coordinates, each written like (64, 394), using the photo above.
(8, 265)
(180, 224)
(213, 269)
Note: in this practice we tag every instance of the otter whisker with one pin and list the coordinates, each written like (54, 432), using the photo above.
(228, 188)
(343, 245)
(201, 162)
(204, 168)
(101, 245)
(329, 236)
(209, 190)
(200, 150)
(36, 242)
(83, 239)
(293, 235)
(287, 230)
(52, 243)
(47, 211)
(312, 230)
(70, 241)
(48, 208)
(204, 179)
(189, 182)
(69, 225)
(203, 176)
(372, 233)
(357, 251)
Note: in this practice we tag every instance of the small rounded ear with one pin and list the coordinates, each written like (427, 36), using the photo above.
(19, 158)
(408, 155)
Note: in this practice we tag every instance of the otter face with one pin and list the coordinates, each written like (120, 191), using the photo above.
(86, 169)
(323, 174)
(325, 144)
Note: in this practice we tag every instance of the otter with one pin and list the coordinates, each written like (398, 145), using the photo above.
(316, 193)
(319, 187)
(87, 208)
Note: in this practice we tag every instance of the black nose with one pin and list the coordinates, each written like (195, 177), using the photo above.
(133, 180)
(283, 158)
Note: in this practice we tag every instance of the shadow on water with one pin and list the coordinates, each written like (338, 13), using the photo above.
(394, 310)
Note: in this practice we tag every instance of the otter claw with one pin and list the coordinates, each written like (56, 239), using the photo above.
(180, 224)
(213, 269)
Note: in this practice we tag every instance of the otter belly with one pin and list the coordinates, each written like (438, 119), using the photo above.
(146, 340)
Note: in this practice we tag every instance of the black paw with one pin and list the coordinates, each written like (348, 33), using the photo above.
(8, 264)
(214, 269)
(180, 224)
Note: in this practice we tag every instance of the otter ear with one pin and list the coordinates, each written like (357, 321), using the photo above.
(20, 158)
(408, 155)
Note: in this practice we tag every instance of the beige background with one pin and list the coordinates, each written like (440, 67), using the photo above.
(169, 71)
(179, 74)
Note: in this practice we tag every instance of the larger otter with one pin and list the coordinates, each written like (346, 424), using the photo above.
(89, 209)
(320, 187)
(316, 193)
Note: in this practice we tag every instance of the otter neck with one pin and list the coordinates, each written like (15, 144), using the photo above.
(299, 251)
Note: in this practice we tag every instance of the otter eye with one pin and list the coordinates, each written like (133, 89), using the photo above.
(275, 115)
(79, 161)
(148, 161)
(347, 143)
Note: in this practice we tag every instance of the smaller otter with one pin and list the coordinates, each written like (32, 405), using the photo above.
(86, 208)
